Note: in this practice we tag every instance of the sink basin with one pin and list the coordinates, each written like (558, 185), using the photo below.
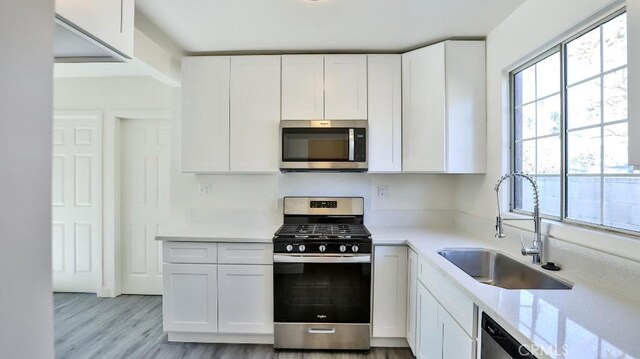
(497, 269)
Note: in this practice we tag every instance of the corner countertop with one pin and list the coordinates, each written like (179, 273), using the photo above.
(587, 321)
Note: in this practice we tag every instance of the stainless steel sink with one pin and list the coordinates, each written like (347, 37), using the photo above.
(497, 269)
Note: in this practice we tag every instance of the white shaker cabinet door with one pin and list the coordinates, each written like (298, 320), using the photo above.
(456, 343)
(390, 291)
(385, 113)
(424, 110)
(254, 113)
(110, 21)
(190, 300)
(429, 332)
(246, 298)
(345, 87)
(412, 296)
(205, 114)
(303, 87)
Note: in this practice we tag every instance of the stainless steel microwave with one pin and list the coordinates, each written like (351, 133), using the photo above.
(324, 145)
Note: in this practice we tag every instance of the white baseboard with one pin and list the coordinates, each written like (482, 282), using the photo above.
(389, 342)
(220, 338)
(187, 337)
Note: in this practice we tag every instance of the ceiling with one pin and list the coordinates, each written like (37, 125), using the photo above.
(323, 25)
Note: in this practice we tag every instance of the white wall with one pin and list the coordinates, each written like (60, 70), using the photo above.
(26, 304)
(532, 28)
(113, 98)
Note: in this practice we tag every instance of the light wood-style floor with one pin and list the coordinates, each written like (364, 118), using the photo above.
(130, 326)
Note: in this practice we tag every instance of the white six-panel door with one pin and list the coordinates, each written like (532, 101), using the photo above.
(76, 231)
(145, 203)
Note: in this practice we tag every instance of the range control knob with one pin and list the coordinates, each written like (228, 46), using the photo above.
(301, 248)
(289, 248)
(354, 248)
(322, 248)
(343, 248)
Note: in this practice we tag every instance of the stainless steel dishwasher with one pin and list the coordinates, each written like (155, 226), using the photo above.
(498, 344)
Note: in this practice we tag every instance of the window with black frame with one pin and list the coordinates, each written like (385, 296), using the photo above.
(569, 109)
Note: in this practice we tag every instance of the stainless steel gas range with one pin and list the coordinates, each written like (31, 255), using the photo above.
(322, 275)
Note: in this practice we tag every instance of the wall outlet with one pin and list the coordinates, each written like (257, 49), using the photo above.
(204, 189)
(383, 191)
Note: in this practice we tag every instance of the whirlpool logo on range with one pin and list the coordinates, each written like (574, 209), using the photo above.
(321, 316)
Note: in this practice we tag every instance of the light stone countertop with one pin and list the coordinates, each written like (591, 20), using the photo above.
(209, 233)
(587, 321)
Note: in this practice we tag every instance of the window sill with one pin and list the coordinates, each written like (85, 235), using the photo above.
(621, 245)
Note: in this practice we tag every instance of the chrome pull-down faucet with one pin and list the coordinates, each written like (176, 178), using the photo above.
(536, 249)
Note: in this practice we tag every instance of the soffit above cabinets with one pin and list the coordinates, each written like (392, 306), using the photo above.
(324, 25)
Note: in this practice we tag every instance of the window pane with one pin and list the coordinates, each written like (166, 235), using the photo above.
(528, 84)
(583, 104)
(548, 76)
(583, 57)
(548, 116)
(529, 121)
(524, 194)
(583, 151)
(615, 149)
(548, 159)
(528, 157)
(583, 195)
(615, 96)
(614, 33)
(622, 202)
(550, 197)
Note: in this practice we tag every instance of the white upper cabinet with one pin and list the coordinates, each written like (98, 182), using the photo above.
(345, 87)
(444, 108)
(254, 113)
(109, 21)
(385, 113)
(205, 114)
(390, 291)
(303, 87)
(332, 87)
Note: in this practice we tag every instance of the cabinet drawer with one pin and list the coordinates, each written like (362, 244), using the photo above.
(453, 299)
(190, 252)
(245, 253)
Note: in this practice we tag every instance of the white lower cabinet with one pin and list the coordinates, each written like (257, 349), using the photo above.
(218, 288)
(390, 291)
(439, 335)
(412, 296)
(428, 341)
(190, 298)
(245, 299)
(456, 343)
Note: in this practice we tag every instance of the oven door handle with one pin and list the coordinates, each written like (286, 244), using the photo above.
(280, 258)
(321, 330)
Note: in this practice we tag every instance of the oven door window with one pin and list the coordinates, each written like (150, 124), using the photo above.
(315, 144)
(322, 292)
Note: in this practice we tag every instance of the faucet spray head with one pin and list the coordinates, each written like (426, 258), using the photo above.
(499, 230)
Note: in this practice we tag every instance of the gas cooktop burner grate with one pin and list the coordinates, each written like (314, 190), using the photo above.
(322, 230)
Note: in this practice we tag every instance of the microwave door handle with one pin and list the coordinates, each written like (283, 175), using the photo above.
(352, 144)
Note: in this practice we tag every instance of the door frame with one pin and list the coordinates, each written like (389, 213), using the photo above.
(99, 118)
(112, 181)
